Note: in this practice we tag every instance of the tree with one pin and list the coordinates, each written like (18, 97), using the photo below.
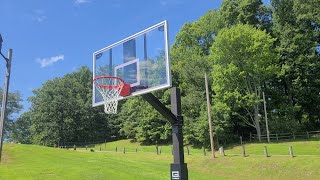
(61, 111)
(242, 62)
(189, 57)
(296, 26)
(252, 12)
(139, 120)
(21, 129)
(13, 107)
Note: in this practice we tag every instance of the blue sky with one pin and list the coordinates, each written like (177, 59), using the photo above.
(52, 38)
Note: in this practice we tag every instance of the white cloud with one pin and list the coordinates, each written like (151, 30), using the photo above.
(163, 3)
(116, 5)
(44, 62)
(170, 2)
(81, 1)
(38, 11)
(39, 15)
(39, 18)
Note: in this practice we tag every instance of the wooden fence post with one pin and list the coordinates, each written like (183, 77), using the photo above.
(157, 151)
(136, 149)
(221, 151)
(116, 149)
(204, 151)
(266, 151)
(277, 136)
(243, 151)
(124, 150)
(74, 147)
(241, 140)
(291, 151)
(188, 150)
(308, 135)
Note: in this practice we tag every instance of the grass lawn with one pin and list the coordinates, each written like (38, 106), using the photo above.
(37, 162)
(299, 148)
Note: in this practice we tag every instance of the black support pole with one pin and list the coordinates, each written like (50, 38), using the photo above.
(178, 170)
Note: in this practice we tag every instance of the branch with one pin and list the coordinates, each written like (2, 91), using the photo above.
(249, 88)
(246, 121)
(251, 117)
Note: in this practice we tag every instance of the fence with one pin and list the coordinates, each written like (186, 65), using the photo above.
(78, 144)
(283, 136)
(243, 150)
(276, 137)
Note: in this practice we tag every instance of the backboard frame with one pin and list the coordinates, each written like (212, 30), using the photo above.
(163, 24)
(128, 63)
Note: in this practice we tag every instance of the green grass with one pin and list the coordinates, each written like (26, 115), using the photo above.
(299, 148)
(131, 147)
(37, 162)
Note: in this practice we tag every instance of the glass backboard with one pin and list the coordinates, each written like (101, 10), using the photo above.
(141, 60)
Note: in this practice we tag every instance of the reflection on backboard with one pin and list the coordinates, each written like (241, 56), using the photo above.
(141, 60)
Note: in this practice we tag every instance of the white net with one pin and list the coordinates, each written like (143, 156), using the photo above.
(110, 88)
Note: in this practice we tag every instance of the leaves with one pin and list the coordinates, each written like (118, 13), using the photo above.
(61, 111)
(13, 107)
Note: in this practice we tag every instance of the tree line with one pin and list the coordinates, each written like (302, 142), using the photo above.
(246, 47)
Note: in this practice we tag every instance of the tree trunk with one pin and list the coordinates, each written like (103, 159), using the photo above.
(290, 98)
(256, 119)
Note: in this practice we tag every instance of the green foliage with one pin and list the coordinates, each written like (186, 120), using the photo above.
(189, 57)
(61, 111)
(190, 60)
(296, 25)
(141, 121)
(252, 12)
(242, 62)
(21, 129)
(243, 59)
(13, 107)
(283, 61)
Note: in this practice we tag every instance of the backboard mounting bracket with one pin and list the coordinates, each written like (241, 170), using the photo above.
(163, 110)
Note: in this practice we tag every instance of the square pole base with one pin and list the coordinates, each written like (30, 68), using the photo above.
(179, 171)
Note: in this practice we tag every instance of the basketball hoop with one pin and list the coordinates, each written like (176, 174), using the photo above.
(110, 88)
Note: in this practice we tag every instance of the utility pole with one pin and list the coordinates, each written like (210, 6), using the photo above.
(5, 94)
(265, 116)
(209, 116)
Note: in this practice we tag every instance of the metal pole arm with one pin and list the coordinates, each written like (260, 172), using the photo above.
(5, 58)
(163, 110)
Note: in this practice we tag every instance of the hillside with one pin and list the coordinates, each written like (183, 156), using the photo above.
(37, 162)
